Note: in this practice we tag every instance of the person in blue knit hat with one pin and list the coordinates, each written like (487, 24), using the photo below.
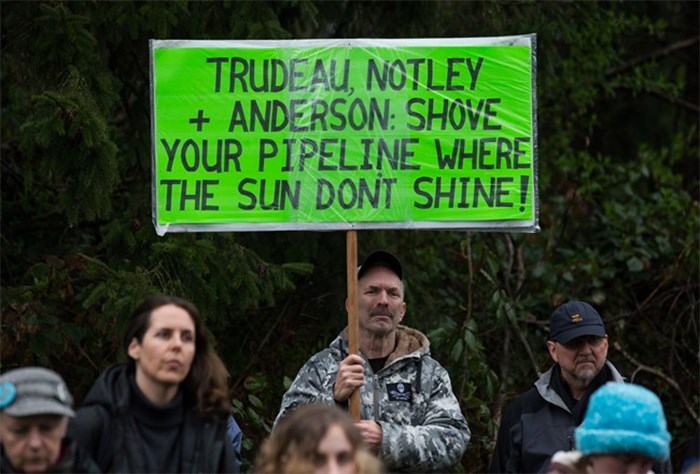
(623, 431)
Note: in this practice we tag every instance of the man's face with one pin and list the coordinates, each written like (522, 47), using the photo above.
(580, 359)
(381, 305)
(32, 443)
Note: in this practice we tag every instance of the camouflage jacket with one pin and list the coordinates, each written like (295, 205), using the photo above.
(411, 398)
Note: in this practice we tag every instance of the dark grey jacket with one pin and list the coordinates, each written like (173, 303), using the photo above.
(536, 425)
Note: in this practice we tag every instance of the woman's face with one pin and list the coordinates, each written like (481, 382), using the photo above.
(164, 355)
(620, 464)
(335, 454)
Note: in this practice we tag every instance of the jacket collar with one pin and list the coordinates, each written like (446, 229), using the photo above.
(409, 343)
(544, 388)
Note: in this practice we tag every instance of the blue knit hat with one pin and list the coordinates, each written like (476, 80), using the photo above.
(624, 418)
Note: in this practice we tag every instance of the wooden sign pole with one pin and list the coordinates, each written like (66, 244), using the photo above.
(353, 324)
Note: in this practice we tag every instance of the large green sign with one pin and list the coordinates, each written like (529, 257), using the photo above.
(344, 134)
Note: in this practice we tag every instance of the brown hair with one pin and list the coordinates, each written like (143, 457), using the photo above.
(292, 446)
(206, 384)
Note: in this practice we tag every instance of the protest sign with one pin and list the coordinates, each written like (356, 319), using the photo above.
(344, 134)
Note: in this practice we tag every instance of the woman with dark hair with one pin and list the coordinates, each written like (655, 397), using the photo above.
(316, 439)
(165, 410)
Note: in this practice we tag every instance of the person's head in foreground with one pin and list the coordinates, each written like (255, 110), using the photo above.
(319, 439)
(35, 405)
(623, 431)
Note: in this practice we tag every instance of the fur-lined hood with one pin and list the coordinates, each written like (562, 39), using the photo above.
(409, 341)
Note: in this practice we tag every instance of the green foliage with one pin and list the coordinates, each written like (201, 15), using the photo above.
(617, 109)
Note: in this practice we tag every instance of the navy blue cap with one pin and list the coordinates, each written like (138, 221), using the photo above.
(381, 258)
(575, 319)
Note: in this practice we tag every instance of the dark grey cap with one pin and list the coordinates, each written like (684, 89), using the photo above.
(32, 391)
(381, 258)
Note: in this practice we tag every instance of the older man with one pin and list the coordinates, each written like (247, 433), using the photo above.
(35, 405)
(541, 421)
(410, 417)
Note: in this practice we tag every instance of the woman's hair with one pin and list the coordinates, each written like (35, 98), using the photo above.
(206, 384)
(293, 444)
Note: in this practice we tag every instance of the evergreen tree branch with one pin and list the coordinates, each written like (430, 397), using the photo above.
(686, 43)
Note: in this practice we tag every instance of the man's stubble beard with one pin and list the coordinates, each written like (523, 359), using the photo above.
(585, 375)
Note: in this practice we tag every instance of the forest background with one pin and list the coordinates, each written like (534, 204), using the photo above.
(618, 109)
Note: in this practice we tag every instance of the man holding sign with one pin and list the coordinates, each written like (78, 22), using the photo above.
(409, 415)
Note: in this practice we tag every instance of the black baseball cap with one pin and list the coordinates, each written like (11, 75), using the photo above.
(575, 319)
(380, 258)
